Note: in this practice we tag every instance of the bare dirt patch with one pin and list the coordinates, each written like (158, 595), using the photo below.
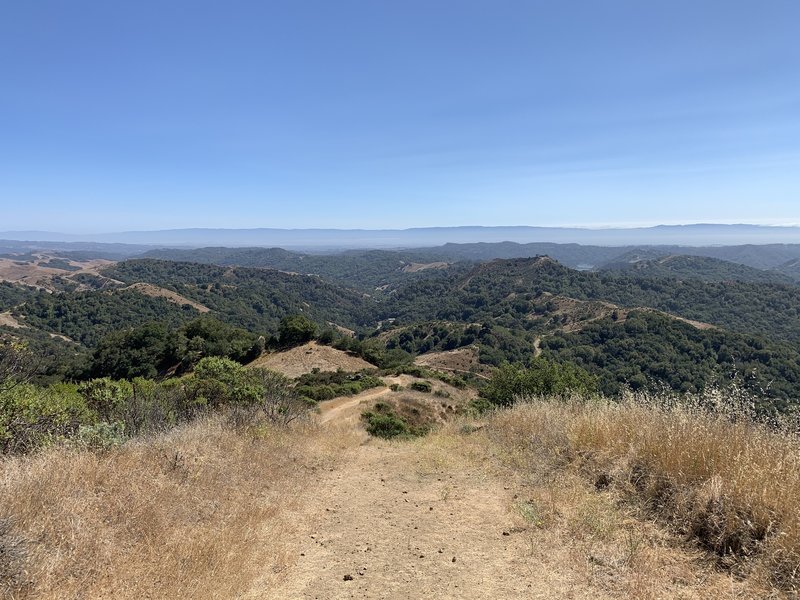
(574, 314)
(36, 272)
(441, 517)
(417, 267)
(158, 292)
(461, 360)
(7, 320)
(306, 358)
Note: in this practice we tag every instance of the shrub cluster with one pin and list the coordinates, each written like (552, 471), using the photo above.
(102, 411)
(320, 386)
(382, 421)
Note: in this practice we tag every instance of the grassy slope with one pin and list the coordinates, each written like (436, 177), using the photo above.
(556, 499)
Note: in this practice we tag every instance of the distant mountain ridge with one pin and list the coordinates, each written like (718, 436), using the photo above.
(331, 239)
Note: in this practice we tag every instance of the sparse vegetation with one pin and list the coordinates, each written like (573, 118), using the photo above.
(421, 386)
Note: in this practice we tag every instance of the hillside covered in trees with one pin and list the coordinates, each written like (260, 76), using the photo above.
(684, 323)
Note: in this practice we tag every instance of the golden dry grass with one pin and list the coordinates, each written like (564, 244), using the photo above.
(207, 511)
(197, 513)
(304, 359)
(731, 487)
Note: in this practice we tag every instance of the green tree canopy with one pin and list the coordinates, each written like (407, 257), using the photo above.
(295, 330)
(544, 378)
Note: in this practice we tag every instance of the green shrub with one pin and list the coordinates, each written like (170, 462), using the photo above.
(106, 397)
(480, 406)
(385, 425)
(296, 330)
(421, 386)
(32, 417)
(544, 378)
(321, 386)
(100, 436)
(222, 381)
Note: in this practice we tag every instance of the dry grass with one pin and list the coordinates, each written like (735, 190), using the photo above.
(196, 513)
(730, 485)
(206, 511)
(304, 359)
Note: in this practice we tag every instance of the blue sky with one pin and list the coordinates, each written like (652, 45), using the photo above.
(147, 115)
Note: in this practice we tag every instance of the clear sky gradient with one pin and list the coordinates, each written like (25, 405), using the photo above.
(374, 114)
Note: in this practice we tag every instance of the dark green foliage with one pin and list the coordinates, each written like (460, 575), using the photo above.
(17, 363)
(320, 386)
(543, 378)
(651, 351)
(505, 309)
(254, 299)
(144, 351)
(87, 317)
(421, 386)
(385, 425)
(207, 336)
(695, 267)
(296, 330)
(59, 263)
(382, 421)
(12, 295)
(366, 270)
(752, 308)
(151, 349)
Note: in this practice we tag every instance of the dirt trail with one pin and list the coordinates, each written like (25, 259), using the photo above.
(404, 520)
(335, 409)
(343, 410)
(402, 528)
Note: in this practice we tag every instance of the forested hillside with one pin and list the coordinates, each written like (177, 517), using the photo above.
(693, 267)
(685, 323)
(365, 270)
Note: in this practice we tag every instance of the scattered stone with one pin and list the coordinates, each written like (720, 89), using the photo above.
(348, 577)
(454, 559)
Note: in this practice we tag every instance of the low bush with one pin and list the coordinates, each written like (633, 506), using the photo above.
(31, 417)
(421, 386)
(100, 413)
(385, 425)
(321, 386)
